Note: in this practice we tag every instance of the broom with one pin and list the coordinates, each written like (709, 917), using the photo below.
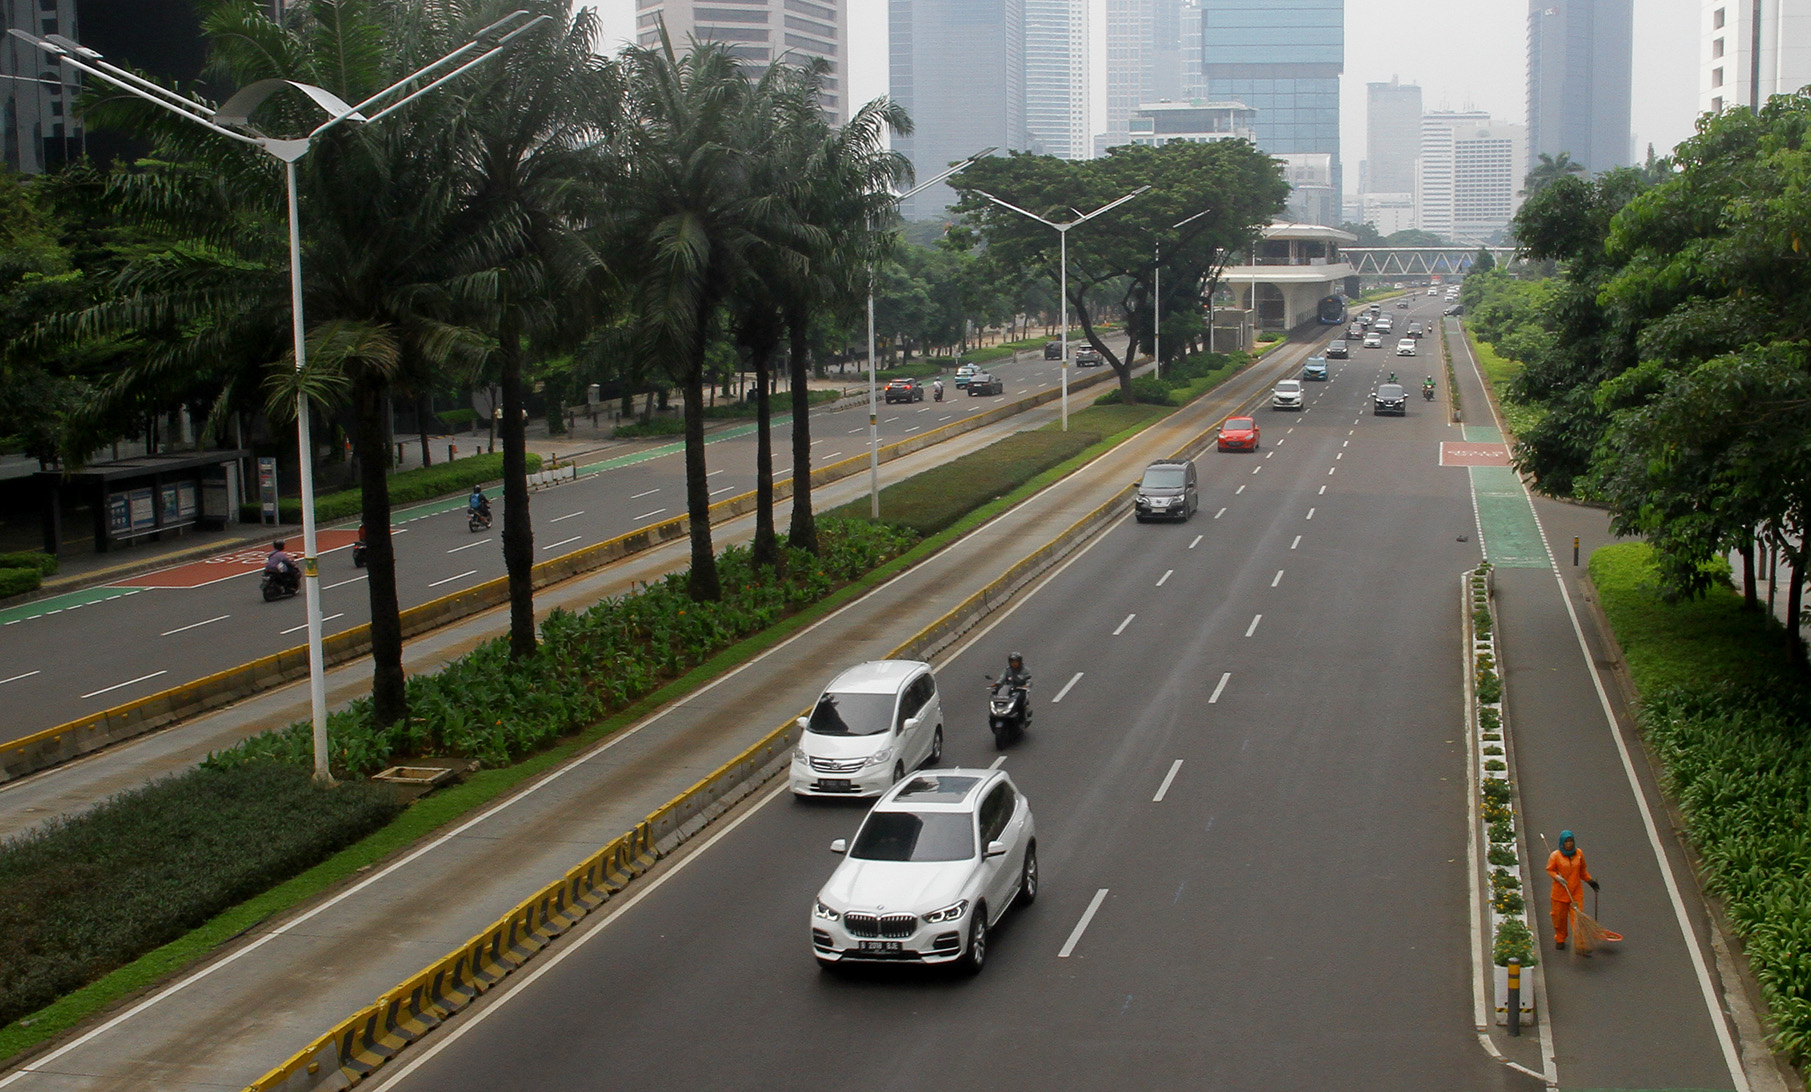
(1587, 934)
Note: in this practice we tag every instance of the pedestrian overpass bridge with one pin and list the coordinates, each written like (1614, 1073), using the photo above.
(1419, 261)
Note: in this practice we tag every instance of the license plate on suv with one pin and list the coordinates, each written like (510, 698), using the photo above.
(879, 945)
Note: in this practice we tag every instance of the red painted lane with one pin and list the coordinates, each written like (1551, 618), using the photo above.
(195, 574)
(1461, 453)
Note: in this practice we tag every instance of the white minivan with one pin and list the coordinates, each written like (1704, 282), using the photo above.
(874, 723)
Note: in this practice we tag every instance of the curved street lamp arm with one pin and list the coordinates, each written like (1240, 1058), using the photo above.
(484, 39)
(166, 99)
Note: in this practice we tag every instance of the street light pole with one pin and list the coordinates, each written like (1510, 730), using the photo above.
(1062, 234)
(873, 402)
(1157, 294)
(233, 121)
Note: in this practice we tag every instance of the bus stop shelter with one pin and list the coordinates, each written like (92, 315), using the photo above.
(147, 497)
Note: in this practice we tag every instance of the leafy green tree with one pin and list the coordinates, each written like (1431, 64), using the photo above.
(1367, 233)
(1548, 170)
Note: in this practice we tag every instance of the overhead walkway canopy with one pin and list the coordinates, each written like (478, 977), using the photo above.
(1420, 261)
(1294, 267)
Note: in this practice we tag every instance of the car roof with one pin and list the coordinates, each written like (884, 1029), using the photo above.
(1167, 462)
(1297, 382)
(955, 789)
(875, 677)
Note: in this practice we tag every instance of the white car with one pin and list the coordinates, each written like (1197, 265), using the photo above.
(1405, 347)
(1383, 326)
(1288, 395)
(1373, 341)
(938, 861)
(874, 723)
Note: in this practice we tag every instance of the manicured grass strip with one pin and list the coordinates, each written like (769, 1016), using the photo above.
(1730, 722)
(1500, 373)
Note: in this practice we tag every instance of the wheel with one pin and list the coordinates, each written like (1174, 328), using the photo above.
(936, 754)
(1000, 737)
(976, 956)
(271, 593)
(1028, 876)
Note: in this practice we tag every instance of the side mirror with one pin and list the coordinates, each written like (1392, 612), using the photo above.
(996, 849)
(912, 723)
(841, 845)
(804, 722)
(989, 678)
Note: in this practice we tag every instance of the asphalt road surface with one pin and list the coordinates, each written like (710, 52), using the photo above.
(91, 650)
(1256, 767)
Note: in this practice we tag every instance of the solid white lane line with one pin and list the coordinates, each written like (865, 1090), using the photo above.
(1059, 694)
(913, 429)
(1167, 779)
(713, 473)
(1277, 579)
(1124, 624)
(562, 542)
(468, 545)
(1297, 542)
(1082, 925)
(833, 455)
(1165, 576)
(656, 489)
(1198, 538)
(853, 431)
(128, 682)
(342, 583)
(946, 417)
(194, 625)
(450, 579)
(1253, 628)
(1225, 677)
(568, 515)
(16, 678)
(304, 625)
(648, 515)
(725, 489)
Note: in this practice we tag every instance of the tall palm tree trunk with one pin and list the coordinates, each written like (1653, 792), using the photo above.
(803, 533)
(389, 696)
(702, 582)
(518, 529)
(766, 549)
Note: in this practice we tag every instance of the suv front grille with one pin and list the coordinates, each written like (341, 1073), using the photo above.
(888, 926)
(836, 765)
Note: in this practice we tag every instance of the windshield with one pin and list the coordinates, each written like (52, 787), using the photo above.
(1389, 390)
(905, 836)
(1238, 424)
(1168, 477)
(852, 715)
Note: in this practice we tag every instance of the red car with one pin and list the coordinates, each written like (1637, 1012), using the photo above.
(1239, 434)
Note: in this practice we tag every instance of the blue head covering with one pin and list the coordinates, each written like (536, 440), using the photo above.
(1564, 837)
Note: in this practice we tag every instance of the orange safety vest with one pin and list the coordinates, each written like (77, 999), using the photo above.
(1569, 875)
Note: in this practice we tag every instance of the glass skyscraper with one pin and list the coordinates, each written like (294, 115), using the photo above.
(1056, 77)
(958, 67)
(1581, 56)
(1284, 58)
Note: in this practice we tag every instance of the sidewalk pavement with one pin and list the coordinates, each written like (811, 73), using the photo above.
(1666, 1008)
(226, 1023)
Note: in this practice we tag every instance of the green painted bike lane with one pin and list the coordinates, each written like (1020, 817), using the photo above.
(1507, 530)
(56, 604)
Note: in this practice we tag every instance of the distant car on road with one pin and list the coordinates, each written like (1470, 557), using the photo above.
(1287, 395)
(1337, 349)
(1239, 434)
(964, 372)
(1315, 368)
(905, 390)
(1416, 329)
(1402, 305)
(1456, 309)
(985, 383)
(1169, 489)
(1088, 358)
(1373, 340)
(1053, 350)
(1357, 329)
(1406, 347)
(1389, 399)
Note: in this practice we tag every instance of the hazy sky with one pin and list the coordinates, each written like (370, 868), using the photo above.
(1469, 54)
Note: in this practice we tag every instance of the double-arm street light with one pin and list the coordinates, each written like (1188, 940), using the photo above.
(1062, 232)
(233, 121)
(873, 405)
(1157, 292)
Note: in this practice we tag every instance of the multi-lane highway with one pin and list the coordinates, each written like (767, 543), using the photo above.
(88, 651)
(1247, 760)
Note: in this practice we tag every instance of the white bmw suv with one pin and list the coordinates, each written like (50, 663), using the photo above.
(938, 860)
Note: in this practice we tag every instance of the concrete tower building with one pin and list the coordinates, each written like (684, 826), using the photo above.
(1751, 51)
(1056, 77)
(958, 66)
(760, 32)
(1392, 136)
(1471, 175)
(1580, 67)
(37, 127)
(1284, 59)
(1144, 60)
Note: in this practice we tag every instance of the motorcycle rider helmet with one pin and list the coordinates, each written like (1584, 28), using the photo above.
(279, 544)
(1015, 661)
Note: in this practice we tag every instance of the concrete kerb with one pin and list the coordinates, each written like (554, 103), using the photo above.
(73, 739)
(370, 1037)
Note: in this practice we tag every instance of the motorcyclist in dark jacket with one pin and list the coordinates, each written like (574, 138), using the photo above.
(1015, 674)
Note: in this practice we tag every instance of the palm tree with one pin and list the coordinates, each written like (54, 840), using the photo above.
(528, 142)
(1549, 170)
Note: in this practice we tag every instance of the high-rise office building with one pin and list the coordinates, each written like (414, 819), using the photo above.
(1158, 123)
(1752, 50)
(1144, 60)
(1056, 77)
(958, 67)
(1580, 66)
(1284, 58)
(1471, 175)
(760, 32)
(1194, 81)
(37, 127)
(1392, 136)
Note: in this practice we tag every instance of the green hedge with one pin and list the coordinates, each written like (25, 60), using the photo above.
(45, 564)
(19, 581)
(931, 500)
(406, 487)
(1730, 720)
(88, 893)
(487, 707)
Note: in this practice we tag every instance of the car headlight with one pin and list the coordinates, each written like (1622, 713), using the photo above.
(879, 758)
(824, 913)
(949, 913)
(799, 755)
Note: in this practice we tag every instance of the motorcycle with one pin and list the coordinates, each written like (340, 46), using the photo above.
(280, 584)
(478, 519)
(358, 553)
(937, 393)
(1427, 393)
(1008, 710)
